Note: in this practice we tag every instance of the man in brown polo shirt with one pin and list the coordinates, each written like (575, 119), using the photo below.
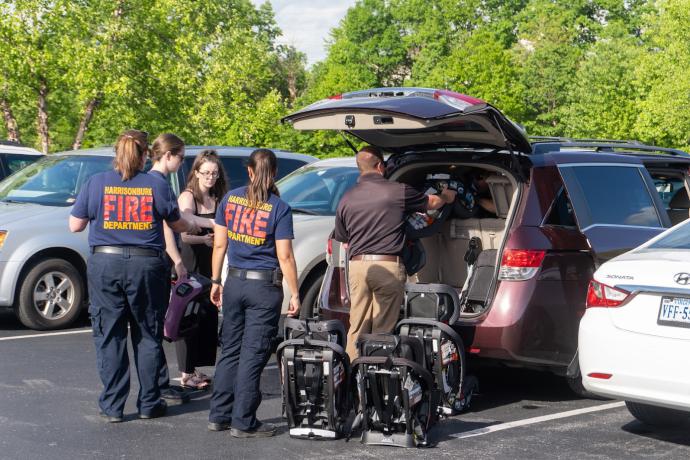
(370, 219)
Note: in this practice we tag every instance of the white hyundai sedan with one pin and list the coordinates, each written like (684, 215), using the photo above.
(634, 341)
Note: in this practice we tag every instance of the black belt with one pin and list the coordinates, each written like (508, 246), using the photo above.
(266, 275)
(127, 251)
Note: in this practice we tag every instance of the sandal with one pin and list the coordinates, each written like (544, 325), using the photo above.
(200, 375)
(193, 382)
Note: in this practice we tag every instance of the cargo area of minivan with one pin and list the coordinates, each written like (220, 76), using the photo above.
(447, 249)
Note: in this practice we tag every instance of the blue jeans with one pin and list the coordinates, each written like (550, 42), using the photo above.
(134, 291)
(251, 310)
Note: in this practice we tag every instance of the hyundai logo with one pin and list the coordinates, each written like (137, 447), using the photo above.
(682, 278)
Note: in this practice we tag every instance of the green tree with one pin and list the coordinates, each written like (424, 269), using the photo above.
(365, 51)
(663, 79)
(604, 96)
(291, 76)
(207, 70)
(32, 34)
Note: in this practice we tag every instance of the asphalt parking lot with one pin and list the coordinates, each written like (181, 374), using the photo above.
(49, 387)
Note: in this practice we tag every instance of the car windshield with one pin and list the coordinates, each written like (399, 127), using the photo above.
(53, 180)
(678, 238)
(317, 190)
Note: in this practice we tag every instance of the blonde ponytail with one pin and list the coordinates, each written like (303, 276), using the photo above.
(131, 148)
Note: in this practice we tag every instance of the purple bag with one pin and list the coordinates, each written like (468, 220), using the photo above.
(182, 316)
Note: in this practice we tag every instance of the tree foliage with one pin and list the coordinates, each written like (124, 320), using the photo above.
(77, 72)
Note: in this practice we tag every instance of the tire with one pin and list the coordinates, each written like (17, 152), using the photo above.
(40, 308)
(575, 384)
(311, 296)
(656, 416)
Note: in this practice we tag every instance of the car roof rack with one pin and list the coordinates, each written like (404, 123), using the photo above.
(545, 144)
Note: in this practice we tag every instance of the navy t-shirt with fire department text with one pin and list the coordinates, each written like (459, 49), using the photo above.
(126, 213)
(253, 231)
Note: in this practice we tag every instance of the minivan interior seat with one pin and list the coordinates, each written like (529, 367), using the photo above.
(679, 206)
(445, 251)
(501, 192)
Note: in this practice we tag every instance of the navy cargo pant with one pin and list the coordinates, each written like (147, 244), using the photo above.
(128, 290)
(251, 310)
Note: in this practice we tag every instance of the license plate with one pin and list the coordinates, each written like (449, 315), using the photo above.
(674, 311)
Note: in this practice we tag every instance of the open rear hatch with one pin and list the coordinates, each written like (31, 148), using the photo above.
(404, 119)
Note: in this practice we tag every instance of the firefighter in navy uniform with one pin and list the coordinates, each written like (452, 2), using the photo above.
(127, 273)
(255, 226)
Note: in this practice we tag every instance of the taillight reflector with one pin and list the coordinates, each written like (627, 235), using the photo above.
(599, 375)
(601, 295)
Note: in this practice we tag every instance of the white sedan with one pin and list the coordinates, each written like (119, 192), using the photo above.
(634, 341)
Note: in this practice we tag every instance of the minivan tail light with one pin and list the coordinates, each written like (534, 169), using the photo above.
(601, 295)
(329, 247)
(520, 264)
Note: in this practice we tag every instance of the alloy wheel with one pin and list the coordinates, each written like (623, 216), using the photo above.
(53, 295)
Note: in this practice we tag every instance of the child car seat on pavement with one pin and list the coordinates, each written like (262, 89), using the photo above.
(428, 313)
(315, 372)
(396, 397)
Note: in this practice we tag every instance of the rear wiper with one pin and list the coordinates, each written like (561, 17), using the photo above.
(10, 200)
(305, 211)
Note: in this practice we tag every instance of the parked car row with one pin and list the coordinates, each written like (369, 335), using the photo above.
(42, 264)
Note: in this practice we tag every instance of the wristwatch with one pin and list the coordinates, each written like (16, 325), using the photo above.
(216, 281)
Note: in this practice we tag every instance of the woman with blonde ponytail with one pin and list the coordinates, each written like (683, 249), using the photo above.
(254, 227)
(128, 274)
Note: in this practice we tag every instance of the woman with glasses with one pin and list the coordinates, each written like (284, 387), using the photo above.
(128, 274)
(206, 184)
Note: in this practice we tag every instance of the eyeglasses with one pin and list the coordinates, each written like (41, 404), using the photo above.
(211, 174)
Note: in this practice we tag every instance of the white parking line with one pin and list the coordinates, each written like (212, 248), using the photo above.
(48, 334)
(533, 420)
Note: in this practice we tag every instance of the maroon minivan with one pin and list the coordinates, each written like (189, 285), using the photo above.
(562, 207)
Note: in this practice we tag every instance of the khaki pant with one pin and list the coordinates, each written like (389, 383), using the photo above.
(377, 290)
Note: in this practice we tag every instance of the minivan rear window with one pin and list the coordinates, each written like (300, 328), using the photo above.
(610, 195)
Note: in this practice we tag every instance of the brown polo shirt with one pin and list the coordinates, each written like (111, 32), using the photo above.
(371, 215)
